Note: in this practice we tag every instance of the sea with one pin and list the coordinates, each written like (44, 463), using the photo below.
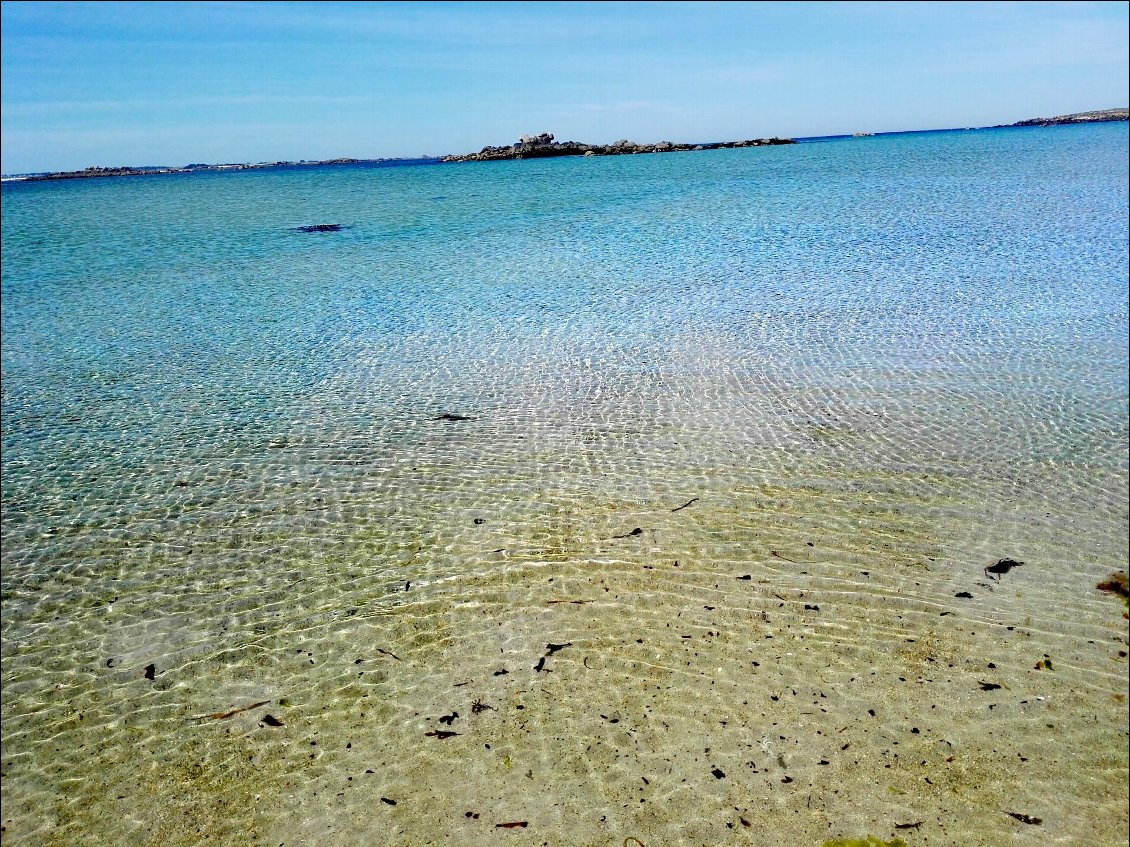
(753, 496)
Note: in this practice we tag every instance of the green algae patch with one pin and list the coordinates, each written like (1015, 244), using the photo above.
(869, 841)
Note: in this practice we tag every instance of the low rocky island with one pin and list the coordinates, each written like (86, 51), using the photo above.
(1078, 118)
(543, 146)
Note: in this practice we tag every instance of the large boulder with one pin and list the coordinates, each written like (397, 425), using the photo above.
(536, 140)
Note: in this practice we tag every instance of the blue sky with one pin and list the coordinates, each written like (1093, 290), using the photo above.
(173, 83)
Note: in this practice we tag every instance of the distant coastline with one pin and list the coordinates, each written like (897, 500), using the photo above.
(96, 172)
(527, 147)
(1100, 116)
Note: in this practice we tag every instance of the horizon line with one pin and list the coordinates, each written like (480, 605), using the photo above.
(159, 170)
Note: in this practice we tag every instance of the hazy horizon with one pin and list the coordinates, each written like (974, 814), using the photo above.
(152, 84)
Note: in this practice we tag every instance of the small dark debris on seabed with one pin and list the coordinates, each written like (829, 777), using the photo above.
(449, 719)
(964, 595)
(512, 825)
(988, 686)
(479, 706)
(271, 720)
(150, 671)
(449, 416)
(502, 672)
(223, 716)
(1025, 818)
(388, 802)
(719, 773)
(1117, 583)
(553, 648)
(440, 734)
(914, 825)
(632, 534)
(1002, 567)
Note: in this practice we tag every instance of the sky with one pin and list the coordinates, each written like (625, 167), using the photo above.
(175, 83)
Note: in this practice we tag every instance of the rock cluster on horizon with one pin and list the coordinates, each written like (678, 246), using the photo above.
(543, 146)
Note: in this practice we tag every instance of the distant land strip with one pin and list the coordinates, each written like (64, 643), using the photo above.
(1076, 118)
(527, 147)
(131, 170)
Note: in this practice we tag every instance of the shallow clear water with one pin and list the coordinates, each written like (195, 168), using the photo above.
(873, 367)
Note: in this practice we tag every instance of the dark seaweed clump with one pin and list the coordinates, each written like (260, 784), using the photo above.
(1117, 583)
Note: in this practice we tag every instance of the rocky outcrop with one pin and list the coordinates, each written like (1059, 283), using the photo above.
(543, 146)
(1078, 118)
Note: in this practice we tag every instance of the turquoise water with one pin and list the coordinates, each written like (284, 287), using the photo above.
(879, 364)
